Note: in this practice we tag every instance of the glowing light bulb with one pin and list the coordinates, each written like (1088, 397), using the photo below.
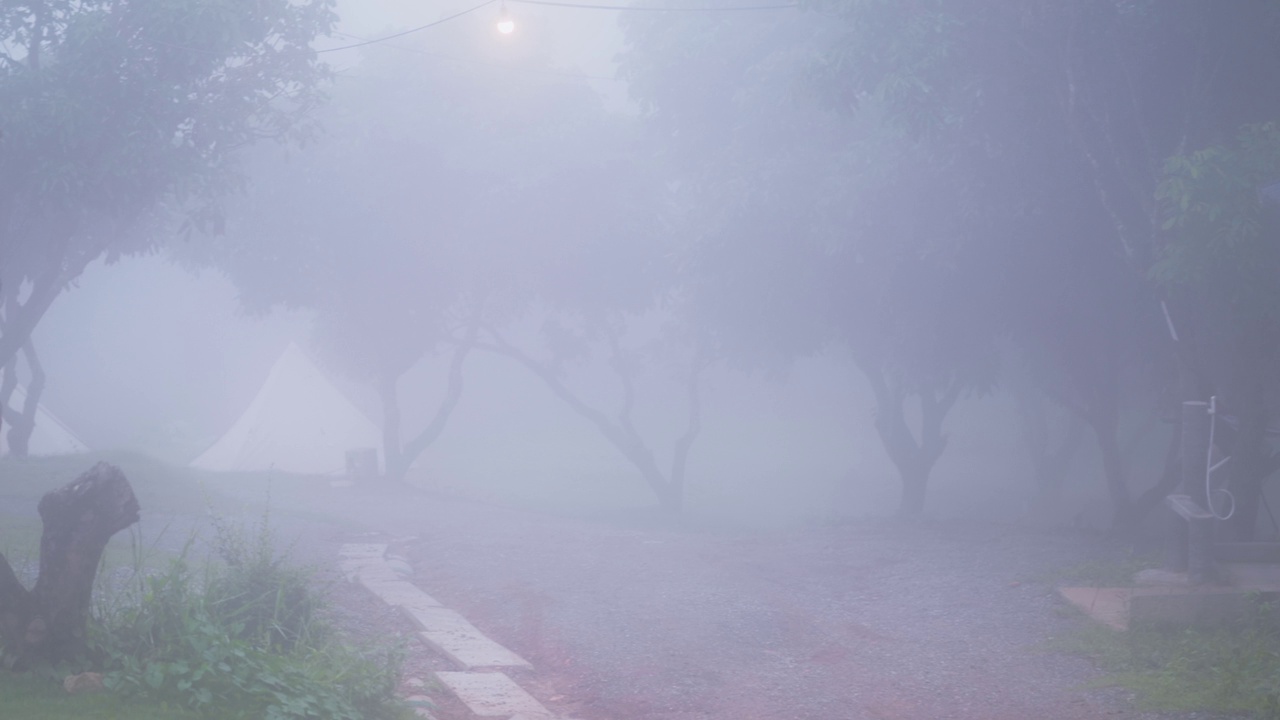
(505, 24)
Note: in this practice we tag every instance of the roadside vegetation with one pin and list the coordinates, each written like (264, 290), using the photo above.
(227, 626)
(1232, 669)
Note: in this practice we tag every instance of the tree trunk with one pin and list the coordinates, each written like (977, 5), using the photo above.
(680, 458)
(47, 623)
(915, 485)
(4, 397)
(1113, 469)
(1051, 457)
(20, 319)
(621, 433)
(392, 460)
(1170, 475)
(914, 459)
(23, 422)
(452, 396)
(8, 382)
(670, 498)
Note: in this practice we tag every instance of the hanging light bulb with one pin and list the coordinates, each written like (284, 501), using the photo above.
(505, 24)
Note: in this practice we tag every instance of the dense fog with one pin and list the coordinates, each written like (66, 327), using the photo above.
(766, 264)
(639, 359)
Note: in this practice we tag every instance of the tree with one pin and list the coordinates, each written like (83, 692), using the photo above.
(442, 206)
(22, 421)
(815, 229)
(46, 625)
(1223, 221)
(116, 116)
(604, 263)
(1072, 109)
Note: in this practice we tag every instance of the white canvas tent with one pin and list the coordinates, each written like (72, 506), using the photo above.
(298, 423)
(48, 437)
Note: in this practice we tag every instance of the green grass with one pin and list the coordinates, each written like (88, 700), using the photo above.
(1224, 670)
(174, 501)
(161, 488)
(1115, 570)
(33, 697)
(236, 635)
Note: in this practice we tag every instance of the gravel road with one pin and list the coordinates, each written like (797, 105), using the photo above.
(867, 620)
(638, 620)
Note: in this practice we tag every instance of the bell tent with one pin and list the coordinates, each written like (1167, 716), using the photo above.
(298, 423)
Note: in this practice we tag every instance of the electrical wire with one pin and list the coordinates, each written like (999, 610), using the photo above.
(486, 3)
(643, 8)
(554, 3)
(506, 68)
(410, 31)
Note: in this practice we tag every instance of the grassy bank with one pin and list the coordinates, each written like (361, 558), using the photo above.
(42, 698)
(198, 614)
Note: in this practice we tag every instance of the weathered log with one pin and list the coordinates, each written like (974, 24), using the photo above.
(47, 623)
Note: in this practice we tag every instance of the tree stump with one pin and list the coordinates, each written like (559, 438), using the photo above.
(47, 623)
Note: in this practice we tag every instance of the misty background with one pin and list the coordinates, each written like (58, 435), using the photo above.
(617, 198)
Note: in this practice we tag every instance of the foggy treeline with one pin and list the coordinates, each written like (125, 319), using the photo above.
(1072, 205)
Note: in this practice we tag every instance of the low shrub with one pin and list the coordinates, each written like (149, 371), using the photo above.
(1233, 669)
(243, 636)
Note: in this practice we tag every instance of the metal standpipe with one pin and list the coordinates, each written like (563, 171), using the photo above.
(1195, 452)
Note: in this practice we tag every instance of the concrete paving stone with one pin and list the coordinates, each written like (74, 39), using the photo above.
(1202, 605)
(398, 593)
(399, 566)
(493, 694)
(363, 550)
(353, 568)
(1109, 606)
(378, 571)
(460, 641)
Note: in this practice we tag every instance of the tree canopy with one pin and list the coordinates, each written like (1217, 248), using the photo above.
(116, 118)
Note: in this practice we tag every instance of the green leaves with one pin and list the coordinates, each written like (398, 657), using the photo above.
(1221, 233)
(124, 115)
(242, 640)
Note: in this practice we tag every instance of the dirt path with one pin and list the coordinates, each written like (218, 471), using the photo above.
(636, 621)
(872, 620)
(860, 622)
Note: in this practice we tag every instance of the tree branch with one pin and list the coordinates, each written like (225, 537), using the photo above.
(453, 394)
(618, 363)
(630, 445)
(680, 458)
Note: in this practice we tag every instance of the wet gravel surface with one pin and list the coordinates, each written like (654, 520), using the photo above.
(869, 620)
(645, 621)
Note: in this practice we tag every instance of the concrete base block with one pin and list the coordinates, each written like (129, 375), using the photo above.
(493, 695)
(460, 641)
(399, 593)
(1194, 606)
(362, 550)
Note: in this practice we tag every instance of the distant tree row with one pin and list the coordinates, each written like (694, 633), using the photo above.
(1071, 201)
(121, 122)
(1074, 199)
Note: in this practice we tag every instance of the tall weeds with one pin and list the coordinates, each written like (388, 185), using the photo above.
(240, 635)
